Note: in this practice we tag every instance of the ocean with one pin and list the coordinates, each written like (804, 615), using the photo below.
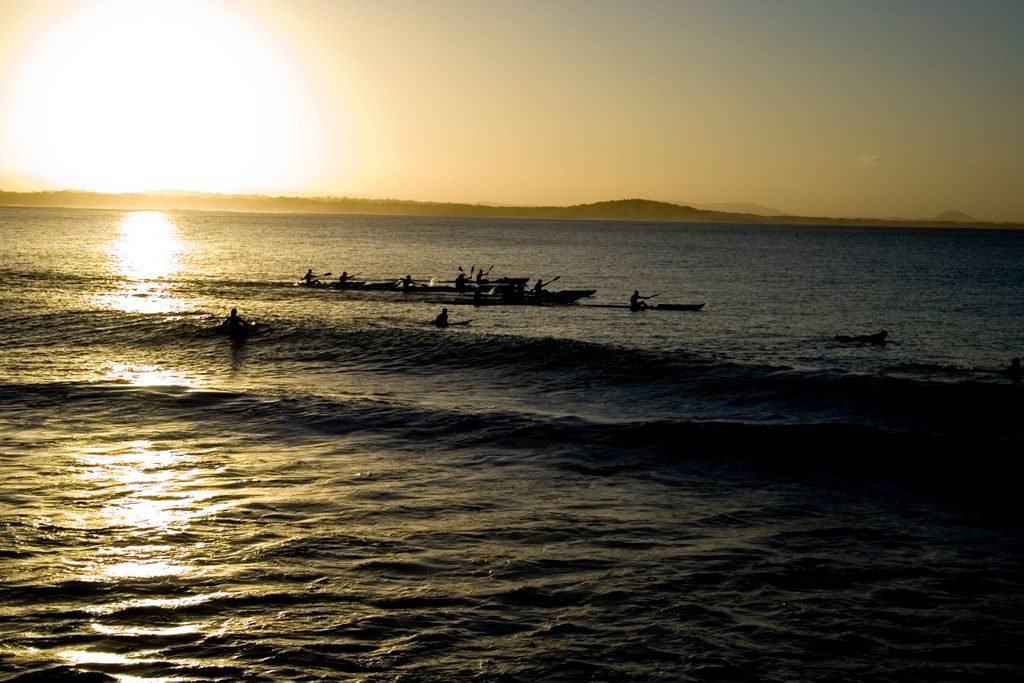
(559, 493)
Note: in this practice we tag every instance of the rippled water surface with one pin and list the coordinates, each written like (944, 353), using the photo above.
(550, 493)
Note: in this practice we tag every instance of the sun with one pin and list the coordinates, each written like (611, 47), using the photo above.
(132, 95)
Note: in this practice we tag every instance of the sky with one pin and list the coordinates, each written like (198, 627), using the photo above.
(867, 108)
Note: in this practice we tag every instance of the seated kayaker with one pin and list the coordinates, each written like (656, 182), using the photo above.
(442, 318)
(876, 338)
(309, 278)
(406, 283)
(636, 302)
(538, 288)
(460, 282)
(343, 278)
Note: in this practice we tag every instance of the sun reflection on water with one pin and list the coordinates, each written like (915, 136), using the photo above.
(146, 254)
(148, 493)
(147, 376)
(144, 496)
(148, 247)
(96, 657)
(145, 630)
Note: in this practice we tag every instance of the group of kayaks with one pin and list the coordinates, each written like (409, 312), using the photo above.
(476, 291)
(505, 291)
(479, 291)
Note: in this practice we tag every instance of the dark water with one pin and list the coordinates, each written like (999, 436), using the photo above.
(566, 493)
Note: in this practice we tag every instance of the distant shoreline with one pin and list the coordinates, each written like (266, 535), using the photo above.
(623, 209)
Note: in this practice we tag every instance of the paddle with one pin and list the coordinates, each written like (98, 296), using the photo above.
(554, 279)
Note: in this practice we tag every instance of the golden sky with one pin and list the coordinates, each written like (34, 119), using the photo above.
(814, 107)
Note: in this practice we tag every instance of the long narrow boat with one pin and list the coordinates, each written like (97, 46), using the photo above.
(655, 307)
(570, 299)
(565, 296)
(498, 293)
(421, 288)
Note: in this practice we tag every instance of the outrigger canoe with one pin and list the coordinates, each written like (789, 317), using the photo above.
(560, 298)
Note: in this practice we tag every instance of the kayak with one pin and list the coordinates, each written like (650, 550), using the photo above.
(566, 296)
(677, 307)
(656, 307)
(497, 294)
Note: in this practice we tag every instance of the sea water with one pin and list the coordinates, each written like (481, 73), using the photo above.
(558, 493)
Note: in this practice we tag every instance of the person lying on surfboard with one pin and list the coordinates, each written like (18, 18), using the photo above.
(876, 338)
(442, 320)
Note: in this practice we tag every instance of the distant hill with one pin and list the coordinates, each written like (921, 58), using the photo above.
(955, 217)
(737, 207)
(622, 209)
(619, 209)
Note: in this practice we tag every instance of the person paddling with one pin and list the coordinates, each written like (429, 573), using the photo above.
(442, 318)
(636, 302)
(309, 278)
(460, 282)
(343, 278)
(406, 283)
(538, 288)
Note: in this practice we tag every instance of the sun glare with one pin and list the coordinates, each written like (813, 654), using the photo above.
(130, 95)
(143, 256)
(148, 246)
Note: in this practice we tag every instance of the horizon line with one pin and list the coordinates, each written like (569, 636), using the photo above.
(489, 207)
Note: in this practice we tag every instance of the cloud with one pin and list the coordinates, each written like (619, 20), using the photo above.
(868, 158)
